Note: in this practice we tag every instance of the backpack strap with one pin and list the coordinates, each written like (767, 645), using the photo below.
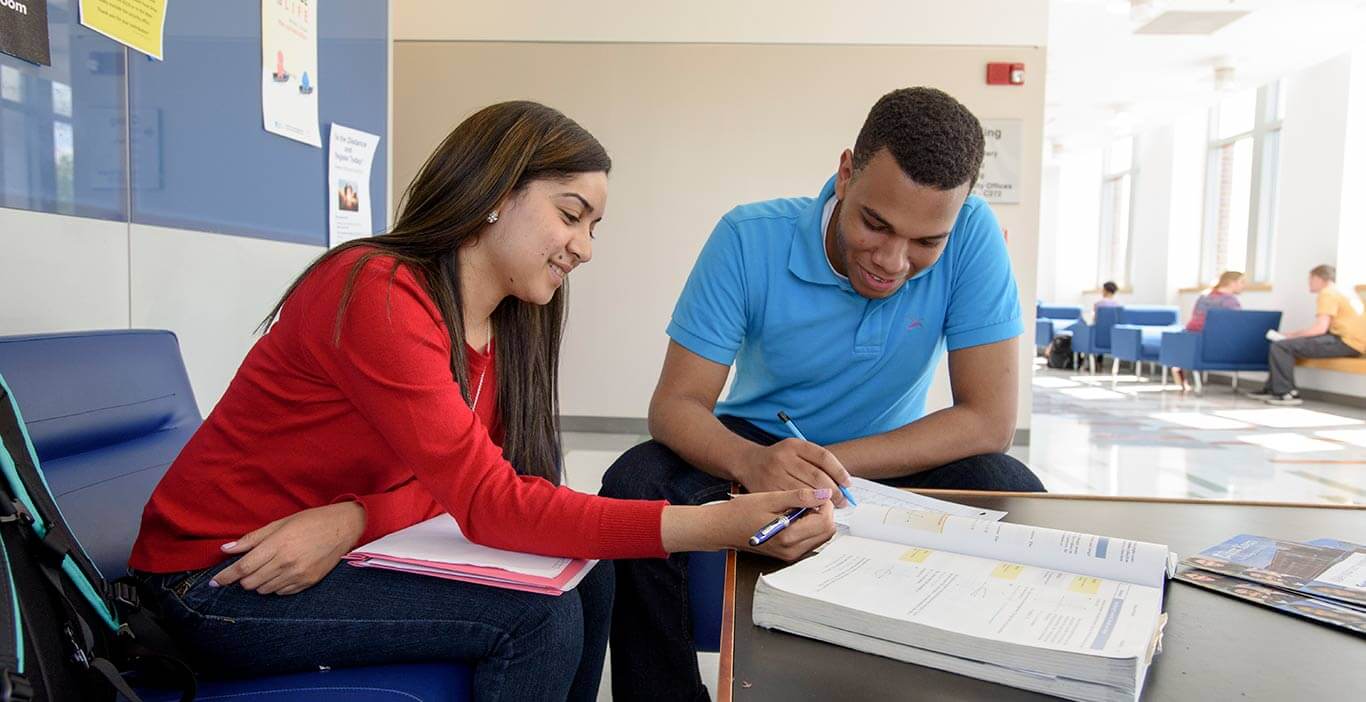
(13, 684)
(145, 643)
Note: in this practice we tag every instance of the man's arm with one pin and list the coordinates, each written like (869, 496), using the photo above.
(681, 418)
(1320, 326)
(681, 414)
(981, 420)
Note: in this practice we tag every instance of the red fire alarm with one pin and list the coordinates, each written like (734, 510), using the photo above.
(1005, 74)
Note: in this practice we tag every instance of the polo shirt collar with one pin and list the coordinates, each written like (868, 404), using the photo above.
(807, 260)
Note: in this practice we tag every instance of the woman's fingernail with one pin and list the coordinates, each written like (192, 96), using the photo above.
(214, 583)
(823, 494)
(228, 545)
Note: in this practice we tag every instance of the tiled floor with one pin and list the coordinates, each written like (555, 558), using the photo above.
(1089, 435)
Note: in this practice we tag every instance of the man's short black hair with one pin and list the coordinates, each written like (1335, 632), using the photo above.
(1110, 287)
(936, 141)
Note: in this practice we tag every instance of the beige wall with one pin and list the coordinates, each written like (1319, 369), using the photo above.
(695, 129)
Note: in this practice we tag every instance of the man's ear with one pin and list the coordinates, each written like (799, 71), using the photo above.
(844, 174)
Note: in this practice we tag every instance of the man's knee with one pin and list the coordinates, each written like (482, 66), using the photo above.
(642, 473)
(990, 471)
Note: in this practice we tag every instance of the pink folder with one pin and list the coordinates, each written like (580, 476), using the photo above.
(437, 548)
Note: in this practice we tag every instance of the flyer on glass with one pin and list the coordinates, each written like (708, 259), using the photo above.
(289, 69)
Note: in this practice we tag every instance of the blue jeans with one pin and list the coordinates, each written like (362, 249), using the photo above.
(523, 646)
(653, 656)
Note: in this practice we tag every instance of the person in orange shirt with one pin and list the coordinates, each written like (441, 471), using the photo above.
(1338, 331)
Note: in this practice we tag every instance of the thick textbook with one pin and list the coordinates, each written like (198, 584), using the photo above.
(438, 549)
(1065, 613)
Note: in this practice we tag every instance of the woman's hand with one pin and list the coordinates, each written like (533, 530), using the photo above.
(730, 524)
(292, 554)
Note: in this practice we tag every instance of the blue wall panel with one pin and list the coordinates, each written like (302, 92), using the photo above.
(62, 127)
(200, 156)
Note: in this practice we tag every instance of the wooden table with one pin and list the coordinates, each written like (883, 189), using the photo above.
(1214, 647)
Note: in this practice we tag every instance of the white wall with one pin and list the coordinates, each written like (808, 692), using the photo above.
(212, 291)
(899, 22)
(1075, 193)
(71, 273)
(1351, 254)
(1150, 225)
(1046, 288)
(62, 273)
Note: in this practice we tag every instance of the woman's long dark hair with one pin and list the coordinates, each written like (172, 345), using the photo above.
(493, 154)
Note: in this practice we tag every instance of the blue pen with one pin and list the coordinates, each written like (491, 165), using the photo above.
(779, 523)
(787, 422)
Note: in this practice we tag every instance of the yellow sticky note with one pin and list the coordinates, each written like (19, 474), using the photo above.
(916, 555)
(137, 24)
(1007, 571)
(1085, 585)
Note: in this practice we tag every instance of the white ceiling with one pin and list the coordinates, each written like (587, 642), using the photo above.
(1098, 67)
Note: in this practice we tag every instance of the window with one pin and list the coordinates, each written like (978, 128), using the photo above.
(1241, 183)
(1115, 213)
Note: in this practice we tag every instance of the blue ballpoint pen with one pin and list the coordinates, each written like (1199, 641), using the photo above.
(779, 523)
(787, 421)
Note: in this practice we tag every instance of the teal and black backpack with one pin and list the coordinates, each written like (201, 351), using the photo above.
(66, 633)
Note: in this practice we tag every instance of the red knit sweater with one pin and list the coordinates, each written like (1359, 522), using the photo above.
(376, 419)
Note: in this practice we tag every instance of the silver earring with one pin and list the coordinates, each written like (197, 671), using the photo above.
(493, 217)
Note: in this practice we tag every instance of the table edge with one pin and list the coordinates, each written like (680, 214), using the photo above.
(725, 672)
(1125, 498)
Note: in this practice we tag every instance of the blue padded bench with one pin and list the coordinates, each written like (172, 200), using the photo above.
(1050, 321)
(1232, 340)
(108, 411)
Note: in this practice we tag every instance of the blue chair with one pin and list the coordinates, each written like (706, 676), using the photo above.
(1138, 334)
(706, 585)
(1051, 321)
(107, 413)
(1091, 340)
(1232, 340)
(1137, 343)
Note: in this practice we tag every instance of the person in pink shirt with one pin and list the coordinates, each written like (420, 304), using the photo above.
(1224, 295)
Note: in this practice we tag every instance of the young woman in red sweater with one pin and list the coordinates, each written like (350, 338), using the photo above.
(407, 375)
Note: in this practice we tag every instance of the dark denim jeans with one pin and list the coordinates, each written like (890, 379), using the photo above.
(523, 646)
(653, 655)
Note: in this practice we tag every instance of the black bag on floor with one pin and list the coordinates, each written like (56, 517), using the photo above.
(66, 633)
(1060, 353)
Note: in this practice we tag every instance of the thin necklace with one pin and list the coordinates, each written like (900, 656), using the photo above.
(479, 389)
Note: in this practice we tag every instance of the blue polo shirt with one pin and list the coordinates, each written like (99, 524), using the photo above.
(763, 296)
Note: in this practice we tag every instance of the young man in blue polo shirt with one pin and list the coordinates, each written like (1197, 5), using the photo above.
(834, 310)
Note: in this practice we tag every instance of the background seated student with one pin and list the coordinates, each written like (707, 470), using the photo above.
(406, 376)
(1107, 297)
(1339, 330)
(1224, 295)
(834, 309)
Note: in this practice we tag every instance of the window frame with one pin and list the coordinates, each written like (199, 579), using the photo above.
(1264, 188)
(1105, 245)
